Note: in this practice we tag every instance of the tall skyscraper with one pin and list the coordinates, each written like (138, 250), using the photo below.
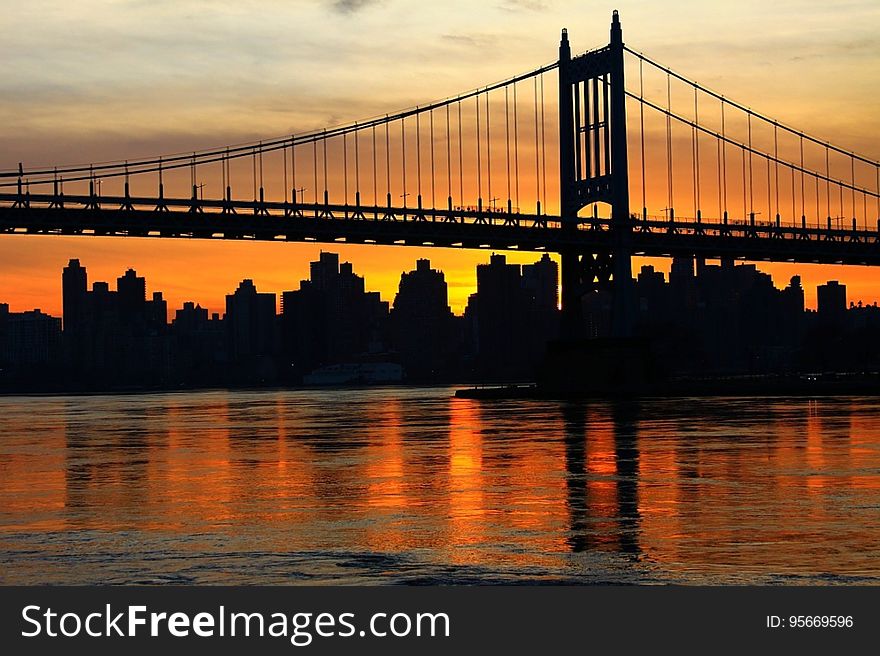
(541, 282)
(422, 323)
(511, 317)
(131, 294)
(74, 285)
(250, 320)
(831, 299)
(331, 318)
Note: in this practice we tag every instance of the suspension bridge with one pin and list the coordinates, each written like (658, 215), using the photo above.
(471, 171)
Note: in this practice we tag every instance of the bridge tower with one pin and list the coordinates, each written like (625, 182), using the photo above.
(593, 169)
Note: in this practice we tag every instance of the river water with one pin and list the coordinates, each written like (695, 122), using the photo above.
(410, 485)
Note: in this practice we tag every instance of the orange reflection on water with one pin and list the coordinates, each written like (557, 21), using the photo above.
(465, 496)
(763, 494)
(33, 477)
(341, 485)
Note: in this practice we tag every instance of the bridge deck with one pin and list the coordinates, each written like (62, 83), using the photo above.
(456, 227)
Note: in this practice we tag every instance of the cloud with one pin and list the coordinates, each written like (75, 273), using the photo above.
(353, 6)
(523, 5)
(479, 41)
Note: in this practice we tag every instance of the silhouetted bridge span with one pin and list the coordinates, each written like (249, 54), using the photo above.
(458, 228)
(470, 171)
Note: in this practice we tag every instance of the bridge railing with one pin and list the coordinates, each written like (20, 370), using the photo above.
(458, 215)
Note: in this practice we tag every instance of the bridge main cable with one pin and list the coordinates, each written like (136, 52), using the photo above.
(225, 153)
(751, 112)
(749, 149)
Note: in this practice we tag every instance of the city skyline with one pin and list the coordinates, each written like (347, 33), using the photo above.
(706, 318)
(660, 265)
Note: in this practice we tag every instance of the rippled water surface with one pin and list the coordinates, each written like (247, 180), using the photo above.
(409, 485)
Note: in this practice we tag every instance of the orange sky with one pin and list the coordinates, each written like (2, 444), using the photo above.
(99, 81)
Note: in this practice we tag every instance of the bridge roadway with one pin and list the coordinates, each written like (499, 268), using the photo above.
(411, 226)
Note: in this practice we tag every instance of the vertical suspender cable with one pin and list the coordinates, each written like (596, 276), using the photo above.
(751, 178)
(507, 139)
(388, 160)
(418, 153)
(697, 150)
(516, 149)
(852, 163)
(403, 157)
(605, 144)
(776, 164)
(433, 191)
(345, 167)
(827, 185)
(669, 190)
(261, 171)
(642, 137)
(479, 156)
(724, 160)
(357, 165)
(448, 159)
(223, 174)
(254, 162)
(694, 153)
(803, 214)
(537, 155)
(718, 161)
(745, 209)
(324, 144)
(460, 160)
(293, 168)
(544, 148)
(375, 174)
(488, 154)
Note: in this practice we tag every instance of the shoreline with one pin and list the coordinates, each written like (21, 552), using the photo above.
(804, 385)
(838, 384)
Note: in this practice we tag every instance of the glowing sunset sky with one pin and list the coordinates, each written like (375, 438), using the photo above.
(97, 80)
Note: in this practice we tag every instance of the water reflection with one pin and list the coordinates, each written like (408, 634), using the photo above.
(412, 485)
(602, 466)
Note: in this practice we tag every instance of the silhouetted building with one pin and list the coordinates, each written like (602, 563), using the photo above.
(111, 337)
(423, 329)
(512, 316)
(653, 294)
(31, 338)
(74, 284)
(331, 319)
(541, 282)
(793, 299)
(831, 299)
(200, 346)
(131, 292)
(250, 325)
